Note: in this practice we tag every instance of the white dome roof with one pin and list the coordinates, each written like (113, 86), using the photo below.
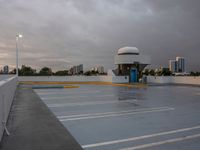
(128, 50)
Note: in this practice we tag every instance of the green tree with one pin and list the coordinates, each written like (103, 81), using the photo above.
(45, 71)
(146, 72)
(195, 73)
(166, 72)
(87, 73)
(26, 71)
(152, 72)
(13, 71)
(61, 73)
(93, 72)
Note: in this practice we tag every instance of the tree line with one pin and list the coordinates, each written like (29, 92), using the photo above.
(46, 71)
(161, 72)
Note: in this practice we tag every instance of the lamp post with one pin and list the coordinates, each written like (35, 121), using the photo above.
(17, 38)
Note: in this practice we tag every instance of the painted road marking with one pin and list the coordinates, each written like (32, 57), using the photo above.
(140, 137)
(112, 112)
(89, 103)
(60, 90)
(85, 82)
(116, 114)
(163, 142)
(76, 96)
(66, 92)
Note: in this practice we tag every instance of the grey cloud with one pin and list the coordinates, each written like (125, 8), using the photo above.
(91, 31)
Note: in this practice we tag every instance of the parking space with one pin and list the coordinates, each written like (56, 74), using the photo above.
(111, 117)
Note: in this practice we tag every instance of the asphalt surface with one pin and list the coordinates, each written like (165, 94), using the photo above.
(111, 118)
(33, 126)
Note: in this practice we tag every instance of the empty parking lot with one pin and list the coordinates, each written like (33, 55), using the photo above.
(110, 117)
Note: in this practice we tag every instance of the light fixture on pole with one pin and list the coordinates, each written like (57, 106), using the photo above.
(17, 38)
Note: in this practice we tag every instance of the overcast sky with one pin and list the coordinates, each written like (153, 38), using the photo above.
(62, 33)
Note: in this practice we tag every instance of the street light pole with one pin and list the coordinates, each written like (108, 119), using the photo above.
(17, 56)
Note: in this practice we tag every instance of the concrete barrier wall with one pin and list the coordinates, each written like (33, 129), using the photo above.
(159, 79)
(5, 76)
(174, 79)
(7, 92)
(113, 79)
(66, 78)
(120, 79)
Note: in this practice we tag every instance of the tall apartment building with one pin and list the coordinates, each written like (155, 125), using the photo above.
(79, 69)
(178, 65)
(76, 70)
(173, 66)
(6, 69)
(100, 69)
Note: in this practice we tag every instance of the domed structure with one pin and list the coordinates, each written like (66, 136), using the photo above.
(128, 51)
(131, 63)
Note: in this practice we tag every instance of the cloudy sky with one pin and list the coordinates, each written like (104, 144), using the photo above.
(62, 33)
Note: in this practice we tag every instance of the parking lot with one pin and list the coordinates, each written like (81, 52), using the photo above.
(111, 117)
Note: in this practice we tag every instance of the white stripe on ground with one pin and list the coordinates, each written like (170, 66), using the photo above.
(140, 137)
(61, 90)
(89, 103)
(66, 92)
(113, 112)
(162, 142)
(116, 115)
(76, 96)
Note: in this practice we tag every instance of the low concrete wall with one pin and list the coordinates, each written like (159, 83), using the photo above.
(158, 79)
(113, 79)
(7, 92)
(174, 80)
(5, 76)
(120, 79)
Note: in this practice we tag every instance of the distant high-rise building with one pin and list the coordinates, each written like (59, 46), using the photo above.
(75, 70)
(6, 69)
(79, 69)
(173, 66)
(180, 64)
(100, 69)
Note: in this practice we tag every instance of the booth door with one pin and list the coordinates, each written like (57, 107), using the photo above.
(133, 77)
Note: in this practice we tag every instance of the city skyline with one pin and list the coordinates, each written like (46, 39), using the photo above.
(63, 33)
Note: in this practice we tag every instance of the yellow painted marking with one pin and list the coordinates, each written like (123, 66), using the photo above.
(136, 85)
(71, 86)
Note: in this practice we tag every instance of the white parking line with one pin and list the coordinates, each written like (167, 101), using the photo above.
(112, 112)
(61, 90)
(77, 96)
(140, 137)
(89, 103)
(163, 142)
(117, 114)
(66, 92)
